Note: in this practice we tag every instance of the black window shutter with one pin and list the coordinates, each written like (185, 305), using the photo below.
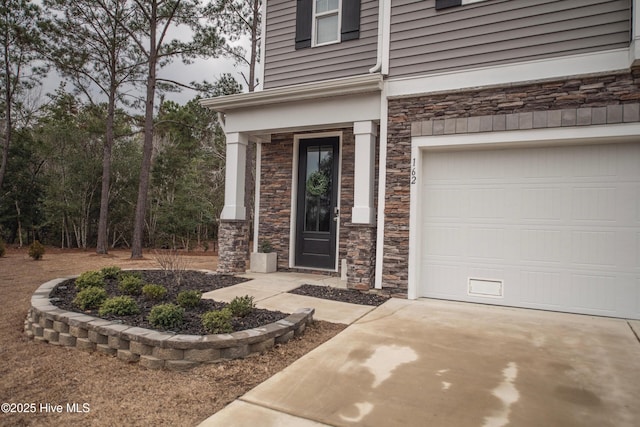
(445, 4)
(304, 15)
(350, 20)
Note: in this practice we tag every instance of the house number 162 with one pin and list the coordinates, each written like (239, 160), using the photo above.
(413, 171)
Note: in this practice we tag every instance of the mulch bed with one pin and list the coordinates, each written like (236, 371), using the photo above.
(63, 295)
(352, 296)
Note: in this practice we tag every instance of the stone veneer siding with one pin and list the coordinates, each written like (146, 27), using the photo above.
(152, 349)
(575, 101)
(275, 196)
(361, 256)
(233, 244)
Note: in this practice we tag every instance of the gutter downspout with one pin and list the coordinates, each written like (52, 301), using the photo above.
(382, 66)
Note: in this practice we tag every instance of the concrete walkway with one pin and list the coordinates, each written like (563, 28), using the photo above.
(435, 363)
(270, 291)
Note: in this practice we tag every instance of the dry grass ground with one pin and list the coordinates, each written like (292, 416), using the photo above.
(116, 393)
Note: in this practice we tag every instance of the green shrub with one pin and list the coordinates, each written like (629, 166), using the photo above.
(36, 250)
(90, 297)
(110, 272)
(218, 322)
(189, 299)
(154, 292)
(3, 248)
(166, 316)
(130, 284)
(120, 306)
(90, 279)
(241, 306)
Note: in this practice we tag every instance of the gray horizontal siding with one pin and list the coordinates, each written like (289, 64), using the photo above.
(286, 66)
(424, 41)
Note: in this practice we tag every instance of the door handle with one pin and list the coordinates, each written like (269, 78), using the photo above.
(336, 211)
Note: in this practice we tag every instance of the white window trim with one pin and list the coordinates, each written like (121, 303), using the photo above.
(315, 16)
(294, 194)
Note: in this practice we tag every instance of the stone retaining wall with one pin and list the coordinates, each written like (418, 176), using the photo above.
(152, 349)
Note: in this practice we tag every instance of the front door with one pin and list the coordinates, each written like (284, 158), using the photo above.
(317, 212)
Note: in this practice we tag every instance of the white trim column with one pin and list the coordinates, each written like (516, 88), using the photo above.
(235, 171)
(363, 211)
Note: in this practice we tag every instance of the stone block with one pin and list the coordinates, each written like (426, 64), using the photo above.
(205, 355)
(473, 124)
(599, 115)
(151, 362)
(67, 339)
(127, 356)
(486, 123)
(449, 126)
(50, 335)
(260, 347)
(426, 128)
(500, 122)
(583, 116)
(78, 332)
(461, 125)
(554, 118)
(60, 327)
(525, 120)
(237, 352)
(284, 338)
(513, 121)
(118, 343)
(37, 330)
(139, 348)
(300, 330)
(539, 119)
(105, 349)
(438, 127)
(179, 365)
(167, 353)
(416, 129)
(97, 337)
(614, 114)
(85, 345)
(630, 113)
(569, 117)
(46, 323)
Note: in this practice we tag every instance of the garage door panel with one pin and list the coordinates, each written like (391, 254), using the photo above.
(560, 226)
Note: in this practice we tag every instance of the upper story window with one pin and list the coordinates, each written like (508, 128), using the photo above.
(446, 4)
(327, 20)
(320, 22)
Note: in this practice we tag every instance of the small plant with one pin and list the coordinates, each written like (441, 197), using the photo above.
(154, 292)
(2, 248)
(119, 306)
(218, 322)
(91, 297)
(166, 316)
(173, 262)
(241, 306)
(36, 250)
(189, 299)
(90, 279)
(130, 284)
(265, 246)
(110, 272)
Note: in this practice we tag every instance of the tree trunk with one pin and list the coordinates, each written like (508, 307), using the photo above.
(101, 246)
(7, 123)
(147, 149)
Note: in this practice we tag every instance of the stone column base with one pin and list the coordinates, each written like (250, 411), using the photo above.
(361, 256)
(233, 246)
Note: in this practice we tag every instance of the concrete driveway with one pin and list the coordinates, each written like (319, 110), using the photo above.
(435, 363)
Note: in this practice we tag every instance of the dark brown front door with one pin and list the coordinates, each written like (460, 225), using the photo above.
(317, 213)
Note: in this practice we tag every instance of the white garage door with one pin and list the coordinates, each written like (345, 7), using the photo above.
(555, 228)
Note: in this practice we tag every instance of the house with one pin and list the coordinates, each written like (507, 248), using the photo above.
(472, 150)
